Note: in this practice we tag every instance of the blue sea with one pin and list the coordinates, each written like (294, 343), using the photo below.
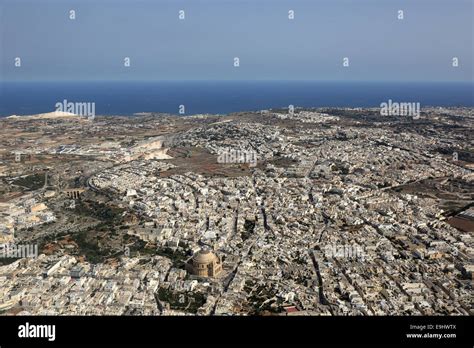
(222, 97)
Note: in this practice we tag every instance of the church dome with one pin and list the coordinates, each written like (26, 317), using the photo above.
(204, 264)
(204, 257)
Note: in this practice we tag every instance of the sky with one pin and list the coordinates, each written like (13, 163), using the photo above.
(269, 45)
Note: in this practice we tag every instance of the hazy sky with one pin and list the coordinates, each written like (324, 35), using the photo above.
(269, 45)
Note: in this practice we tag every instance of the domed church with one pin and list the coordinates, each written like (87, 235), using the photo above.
(204, 264)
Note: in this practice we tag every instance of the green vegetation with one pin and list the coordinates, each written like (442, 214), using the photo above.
(30, 182)
(185, 301)
(140, 247)
(98, 210)
(249, 227)
(91, 250)
(7, 260)
(178, 257)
